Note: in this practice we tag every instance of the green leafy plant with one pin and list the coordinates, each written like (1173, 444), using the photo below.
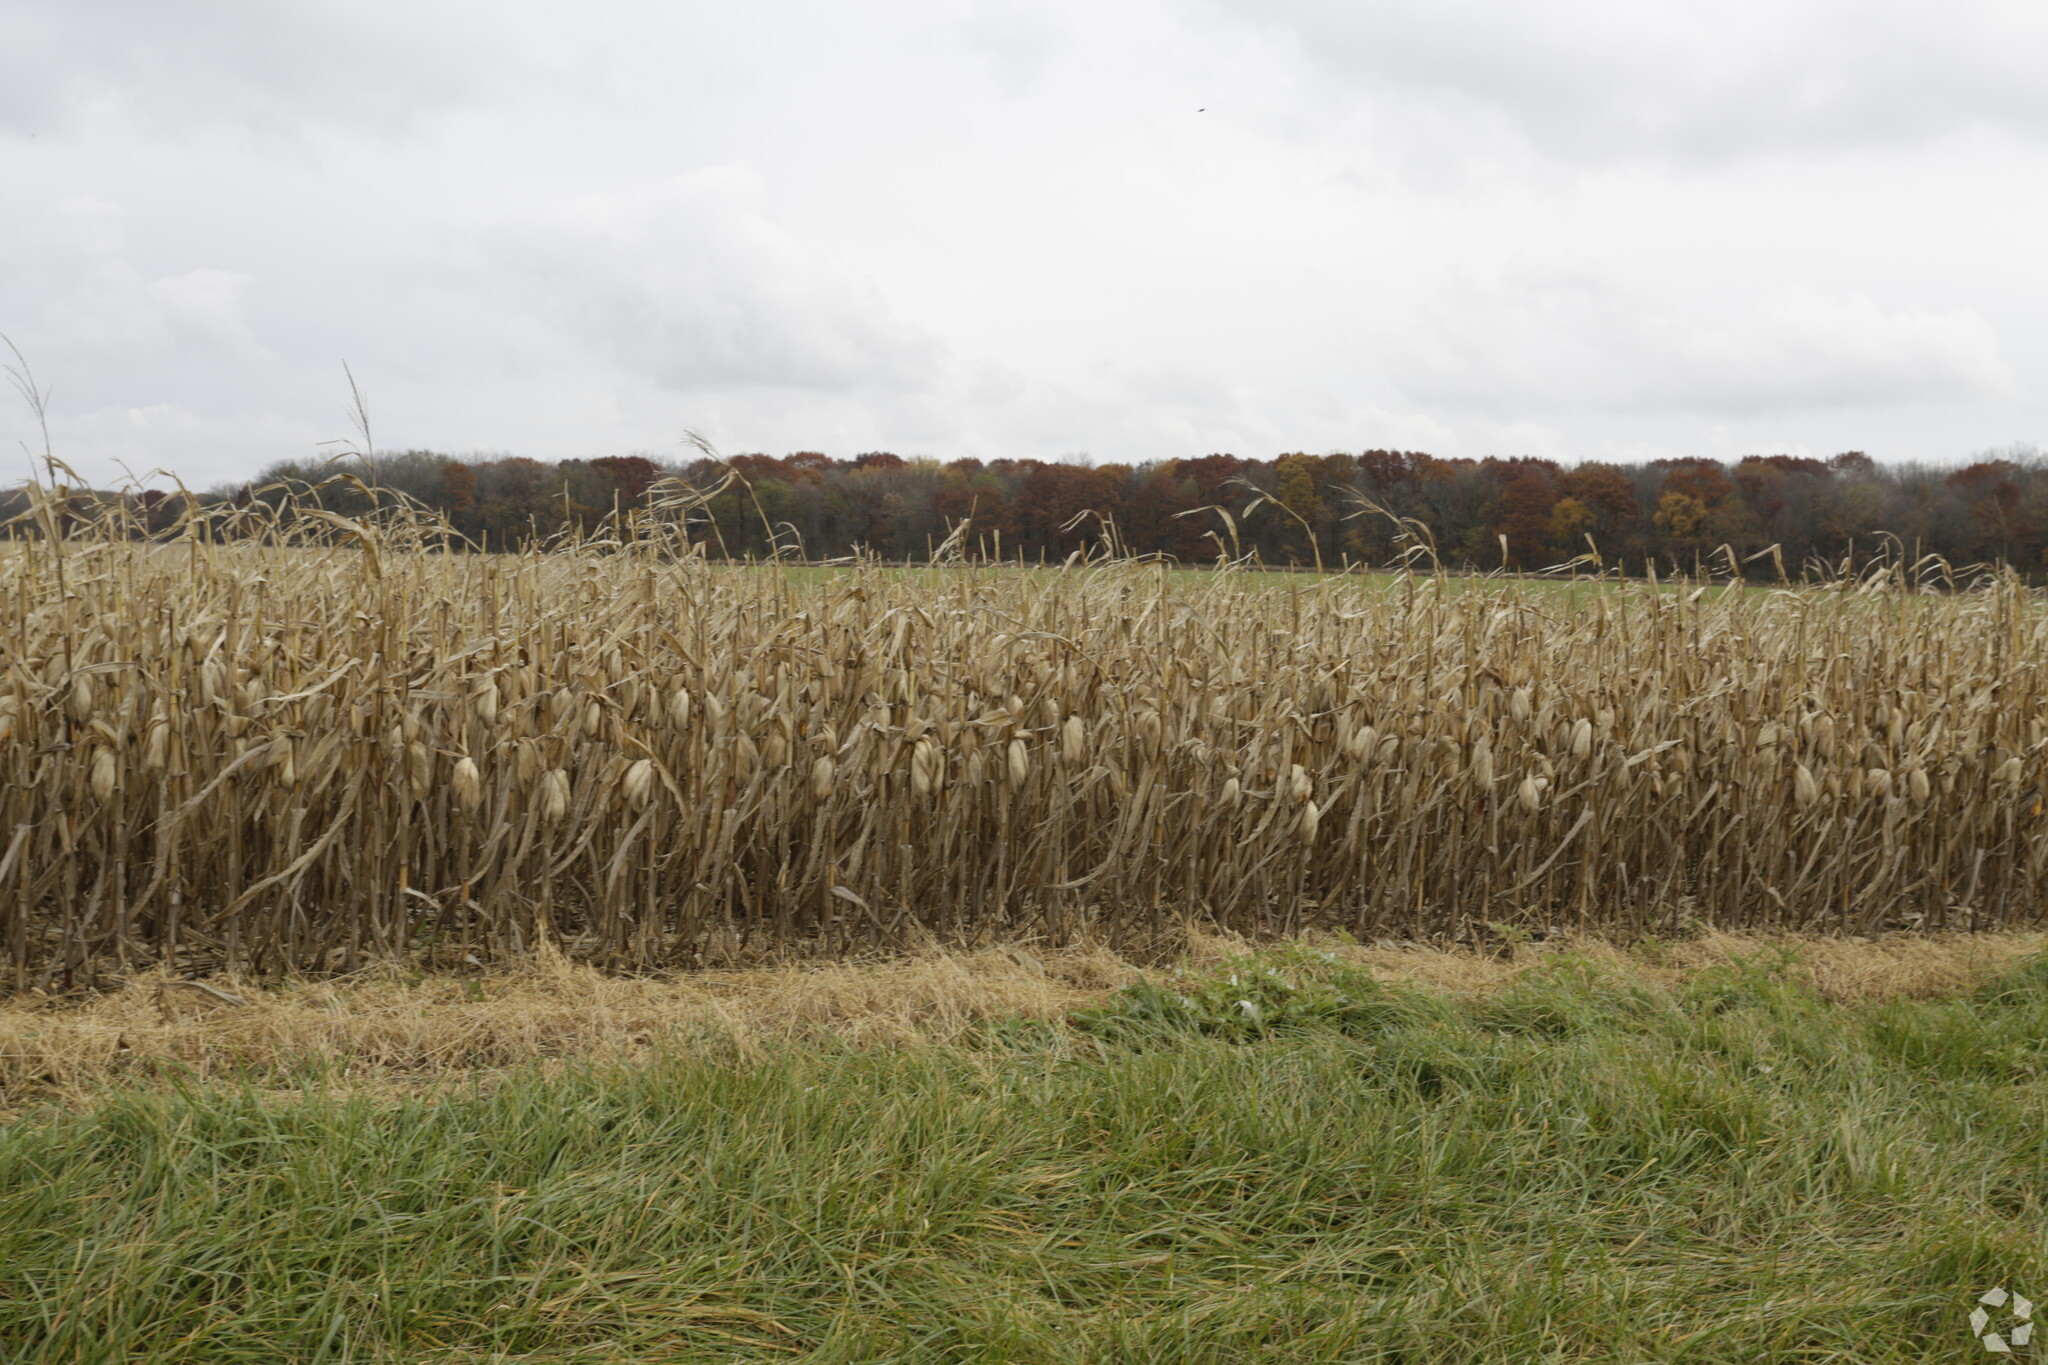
(1279, 990)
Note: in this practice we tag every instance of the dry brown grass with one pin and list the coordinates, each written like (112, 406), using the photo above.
(383, 1028)
(381, 1024)
(1894, 967)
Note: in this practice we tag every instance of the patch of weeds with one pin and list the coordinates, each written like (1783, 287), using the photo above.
(1965, 1039)
(1434, 1062)
(1651, 952)
(1773, 979)
(1563, 996)
(1283, 990)
(1013, 1034)
(2025, 983)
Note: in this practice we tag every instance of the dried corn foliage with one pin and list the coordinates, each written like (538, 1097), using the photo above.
(269, 757)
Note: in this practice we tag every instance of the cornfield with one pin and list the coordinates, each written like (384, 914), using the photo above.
(304, 752)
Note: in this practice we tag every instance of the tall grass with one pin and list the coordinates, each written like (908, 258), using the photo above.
(1583, 1167)
(303, 742)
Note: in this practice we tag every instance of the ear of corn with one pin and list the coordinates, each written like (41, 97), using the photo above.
(468, 784)
(639, 782)
(554, 795)
(268, 755)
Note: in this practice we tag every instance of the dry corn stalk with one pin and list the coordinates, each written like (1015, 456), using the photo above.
(228, 753)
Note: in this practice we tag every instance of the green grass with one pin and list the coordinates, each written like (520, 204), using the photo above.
(1563, 591)
(1581, 1169)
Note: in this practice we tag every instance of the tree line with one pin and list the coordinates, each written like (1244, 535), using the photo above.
(1519, 514)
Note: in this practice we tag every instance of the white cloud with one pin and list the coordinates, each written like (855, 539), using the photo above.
(116, 444)
(1563, 344)
(256, 68)
(1000, 228)
(92, 308)
(1602, 78)
(204, 310)
(1019, 40)
(688, 285)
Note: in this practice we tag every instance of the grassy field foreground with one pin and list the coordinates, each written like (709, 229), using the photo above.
(1590, 1156)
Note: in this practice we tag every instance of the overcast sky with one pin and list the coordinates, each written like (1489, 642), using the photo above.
(1134, 229)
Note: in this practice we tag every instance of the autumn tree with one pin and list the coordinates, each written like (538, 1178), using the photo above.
(1680, 516)
(1605, 491)
(458, 496)
(1571, 522)
(1828, 514)
(1991, 493)
(630, 475)
(1526, 504)
(968, 495)
(1294, 489)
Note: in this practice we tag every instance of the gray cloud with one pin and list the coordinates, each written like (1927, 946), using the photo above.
(686, 285)
(264, 68)
(1599, 79)
(1020, 41)
(1000, 228)
(1550, 345)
